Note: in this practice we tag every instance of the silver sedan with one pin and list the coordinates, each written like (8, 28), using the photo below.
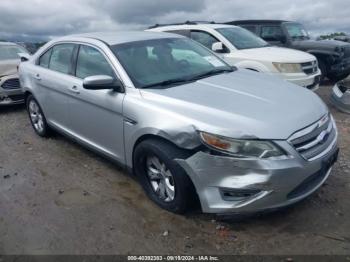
(188, 125)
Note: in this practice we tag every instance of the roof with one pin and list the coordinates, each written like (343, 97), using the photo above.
(120, 37)
(7, 43)
(183, 23)
(257, 21)
(190, 26)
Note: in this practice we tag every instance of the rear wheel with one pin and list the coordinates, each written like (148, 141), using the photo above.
(37, 117)
(163, 179)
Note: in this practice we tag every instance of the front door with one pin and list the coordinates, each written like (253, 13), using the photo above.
(96, 115)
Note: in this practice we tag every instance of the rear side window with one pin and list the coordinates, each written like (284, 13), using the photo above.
(61, 58)
(204, 38)
(271, 33)
(91, 62)
(44, 60)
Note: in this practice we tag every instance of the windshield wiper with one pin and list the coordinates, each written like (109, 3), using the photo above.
(189, 79)
(169, 82)
(213, 72)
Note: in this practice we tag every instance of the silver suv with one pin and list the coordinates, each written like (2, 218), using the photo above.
(188, 125)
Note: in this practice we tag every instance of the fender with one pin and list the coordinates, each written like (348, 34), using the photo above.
(188, 139)
(322, 52)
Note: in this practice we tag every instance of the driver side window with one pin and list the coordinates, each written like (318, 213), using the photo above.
(271, 33)
(91, 62)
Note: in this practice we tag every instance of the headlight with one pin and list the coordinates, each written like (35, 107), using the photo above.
(288, 68)
(242, 148)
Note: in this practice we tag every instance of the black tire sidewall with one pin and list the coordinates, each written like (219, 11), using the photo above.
(183, 187)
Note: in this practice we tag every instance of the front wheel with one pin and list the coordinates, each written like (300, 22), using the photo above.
(164, 181)
(37, 117)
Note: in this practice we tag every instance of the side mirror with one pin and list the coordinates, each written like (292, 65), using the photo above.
(218, 47)
(101, 82)
(24, 57)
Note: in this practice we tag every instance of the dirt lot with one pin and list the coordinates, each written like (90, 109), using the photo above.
(58, 198)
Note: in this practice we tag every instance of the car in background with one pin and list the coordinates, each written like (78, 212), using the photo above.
(10, 89)
(186, 123)
(333, 56)
(340, 97)
(242, 49)
(344, 38)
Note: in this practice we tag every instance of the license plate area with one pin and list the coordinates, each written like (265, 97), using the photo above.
(330, 161)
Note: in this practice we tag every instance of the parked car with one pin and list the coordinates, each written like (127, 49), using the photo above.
(341, 96)
(10, 90)
(333, 56)
(182, 120)
(243, 49)
(344, 38)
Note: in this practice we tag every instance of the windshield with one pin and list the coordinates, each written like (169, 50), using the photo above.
(165, 62)
(242, 38)
(8, 52)
(296, 31)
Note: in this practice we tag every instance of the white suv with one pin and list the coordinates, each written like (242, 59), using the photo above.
(243, 49)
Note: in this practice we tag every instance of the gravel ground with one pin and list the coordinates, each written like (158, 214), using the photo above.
(58, 198)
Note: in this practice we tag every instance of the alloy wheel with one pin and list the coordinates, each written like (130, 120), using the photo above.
(36, 116)
(160, 178)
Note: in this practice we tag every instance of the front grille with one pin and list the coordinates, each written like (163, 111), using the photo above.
(11, 84)
(343, 88)
(310, 68)
(16, 98)
(314, 140)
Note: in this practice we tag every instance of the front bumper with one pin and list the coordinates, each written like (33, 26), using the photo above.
(311, 82)
(10, 91)
(340, 97)
(227, 185)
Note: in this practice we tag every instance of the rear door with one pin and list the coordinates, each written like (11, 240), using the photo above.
(52, 78)
(96, 115)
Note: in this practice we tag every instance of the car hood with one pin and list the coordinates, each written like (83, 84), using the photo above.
(325, 45)
(8, 67)
(241, 104)
(275, 54)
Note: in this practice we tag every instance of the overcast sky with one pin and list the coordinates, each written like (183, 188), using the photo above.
(48, 18)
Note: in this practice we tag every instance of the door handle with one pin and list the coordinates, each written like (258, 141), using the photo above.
(74, 89)
(37, 77)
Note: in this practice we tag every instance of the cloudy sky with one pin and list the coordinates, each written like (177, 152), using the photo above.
(48, 18)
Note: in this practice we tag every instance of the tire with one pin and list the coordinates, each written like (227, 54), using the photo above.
(37, 117)
(183, 197)
(323, 69)
(337, 78)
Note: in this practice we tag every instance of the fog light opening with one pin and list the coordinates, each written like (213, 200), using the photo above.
(238, 194)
